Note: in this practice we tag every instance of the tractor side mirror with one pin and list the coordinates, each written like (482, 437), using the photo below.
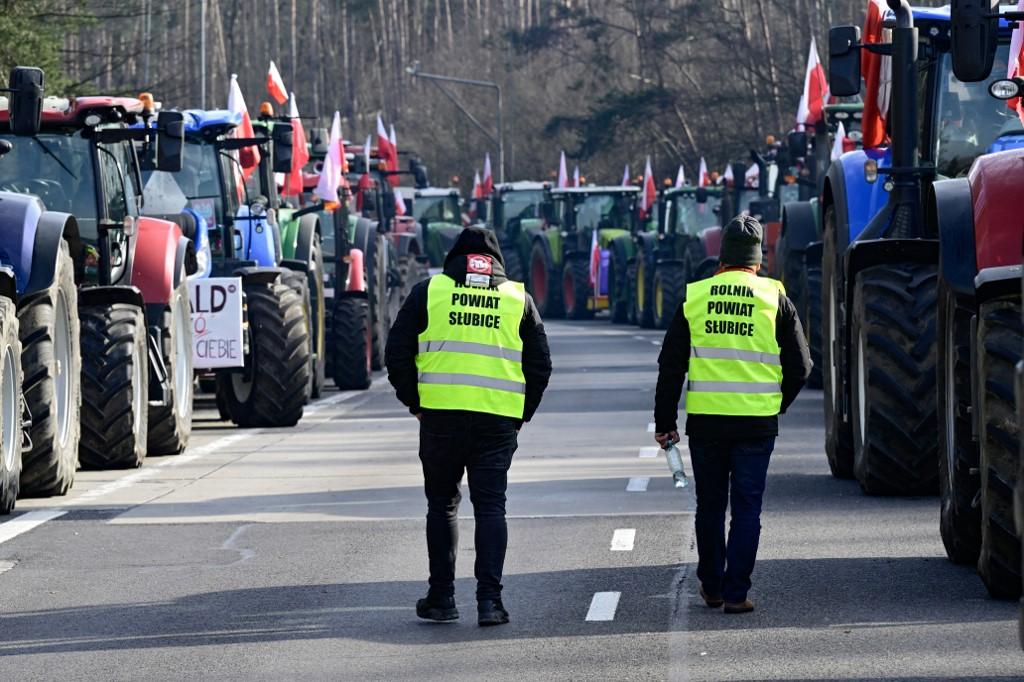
(844, 61)
(797, 143)
(26, 83)
(170, 141)
(281, 137)
(975, 37)
(419, 173)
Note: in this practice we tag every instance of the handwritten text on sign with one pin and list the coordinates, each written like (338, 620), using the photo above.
(216, 322)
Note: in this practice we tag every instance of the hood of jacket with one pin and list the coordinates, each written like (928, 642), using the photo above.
(475, 241)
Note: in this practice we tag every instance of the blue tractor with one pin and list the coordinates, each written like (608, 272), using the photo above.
(880, 253)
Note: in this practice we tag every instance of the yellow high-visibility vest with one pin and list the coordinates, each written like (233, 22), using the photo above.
(471, 355)
(735, 366)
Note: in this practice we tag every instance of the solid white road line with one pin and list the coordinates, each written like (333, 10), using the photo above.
(656, 343)
(638, 484)
(649, 452)
(603, 605)
(26, 522)
(623, 539)
(6, 566)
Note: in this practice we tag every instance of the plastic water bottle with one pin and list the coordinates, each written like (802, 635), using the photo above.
(675, 465)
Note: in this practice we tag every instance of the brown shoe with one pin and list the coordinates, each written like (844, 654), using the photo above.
(712, 602)
(745, 606)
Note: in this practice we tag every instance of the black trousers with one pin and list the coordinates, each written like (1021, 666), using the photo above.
(481, 445)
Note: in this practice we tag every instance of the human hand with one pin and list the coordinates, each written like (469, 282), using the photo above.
(664, 438)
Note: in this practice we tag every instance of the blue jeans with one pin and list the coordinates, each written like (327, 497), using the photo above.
(727, 471)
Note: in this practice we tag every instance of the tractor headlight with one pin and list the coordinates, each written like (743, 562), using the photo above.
(1006, 88)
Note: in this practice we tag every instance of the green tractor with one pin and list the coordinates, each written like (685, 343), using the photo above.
(438, 213)
(515, 211)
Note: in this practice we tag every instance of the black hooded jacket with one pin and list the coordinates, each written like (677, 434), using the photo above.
(403, 341)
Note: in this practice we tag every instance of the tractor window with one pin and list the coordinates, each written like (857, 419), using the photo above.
(969, 120)
(606, 211)
(57, 168)
(117, 205)
(435, 210)
(690, 217)
(524, 205)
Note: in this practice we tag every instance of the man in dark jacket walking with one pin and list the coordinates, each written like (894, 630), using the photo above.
(468, 356)
(738, 340)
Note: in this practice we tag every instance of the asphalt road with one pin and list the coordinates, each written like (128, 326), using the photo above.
(298, 555)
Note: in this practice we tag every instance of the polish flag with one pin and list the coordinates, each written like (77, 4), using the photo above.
(1015, 68)
(838, 146)
(275, 85)
(365, 181)
(563, 174)
(248, 157)
(680, 177)
(752, 176)
(386, 152)
(595, 262)
(331, 172)
(877, 70)
(576, 176)
(625, 176)
(300, 153)
(487, 185)
(478, 190)
(400, 207)
(728, 179)
(650, 191)
(702, 174)
(812, 102)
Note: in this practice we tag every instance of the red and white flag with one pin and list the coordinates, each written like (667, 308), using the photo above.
(650, 192)
(300, 152)
(752, 176)
(248, 157)
(478, 190)
(595, 262)
(625, 176)
(365, 183)
(680, 177)
(727, 177)
(487, 185)
(812, 102)
(1015, 68)
(576, 176)
(275, 85)
(704, 178)
(877, 70)
(563, 174)
(331, 172)
(399, 199)
(838, 146)
(386, 152)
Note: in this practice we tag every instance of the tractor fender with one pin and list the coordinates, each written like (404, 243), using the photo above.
(623, 248)
(998, 226)
(185, 262)
(813, 254)
(711, 240)
(858, 199)
(19, 221)
(259, 274)
(949, 213)
(294, 265)
(356, 282)
(407, 243)
(799, 226)
(109, 295)
(153, 268)
(309, 226)
(998, 281)
(545, 245)
(869, 252)
(53, 229)
(8, 287)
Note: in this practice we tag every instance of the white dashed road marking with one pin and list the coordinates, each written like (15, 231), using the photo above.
(623, 539)
(649, 452)
(26, 522)
(603, 605)
(638, 484)
(650, 427)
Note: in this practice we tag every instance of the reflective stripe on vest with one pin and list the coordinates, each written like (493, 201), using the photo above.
(735, 366)
(470, 355)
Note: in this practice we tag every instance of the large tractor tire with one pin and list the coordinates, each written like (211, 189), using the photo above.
(999, 341)
(631, 316)
(619, 300)
(959, 480)
(576, 289)
(170, 425)
(10, 406)
(298, 283)
(271, 389)
(645, 293)
(513, 263)
(115, 386)
(318, 309)
(545, 284)
(350, 344)
(669, 290)
(835, 377)
(379, 286)
(893, 358)
(51, 370)
(810, 278)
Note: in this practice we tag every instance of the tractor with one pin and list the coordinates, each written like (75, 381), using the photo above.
(438, 212)
(136, 387)
(248, 310)
(684, 249)
(515, 211)
(11, 401)
(880, 255)
(979, 315)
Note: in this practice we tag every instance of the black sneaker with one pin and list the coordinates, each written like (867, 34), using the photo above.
(491, 612)
(438, 610)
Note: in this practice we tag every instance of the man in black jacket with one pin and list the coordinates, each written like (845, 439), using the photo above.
(468, 356)
(739, 339)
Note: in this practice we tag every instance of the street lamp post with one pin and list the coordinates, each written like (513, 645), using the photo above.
(437, 79)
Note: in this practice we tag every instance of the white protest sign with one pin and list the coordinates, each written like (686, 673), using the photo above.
(216, 322)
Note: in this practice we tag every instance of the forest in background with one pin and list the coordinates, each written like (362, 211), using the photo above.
(608, 81)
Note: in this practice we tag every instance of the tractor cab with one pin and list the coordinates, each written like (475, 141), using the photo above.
(438, 212)
(689, 210)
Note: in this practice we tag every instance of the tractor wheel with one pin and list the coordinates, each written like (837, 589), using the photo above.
(412, 272)
(171, 424)
(893, 375)
(792, 268)
(298, 283)
(576, 289)
(618, 285)
(644, 293)
(513, 262)
(272, 388)
(115, 386)
(10, 406)
(544, 284)
(318, 307)
(51, 371)
(631, 317)
(835, 378)
(810, 278)
(669, 290)
(1000, 335)
(959, 482)
(350, 343)
(378, 288)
